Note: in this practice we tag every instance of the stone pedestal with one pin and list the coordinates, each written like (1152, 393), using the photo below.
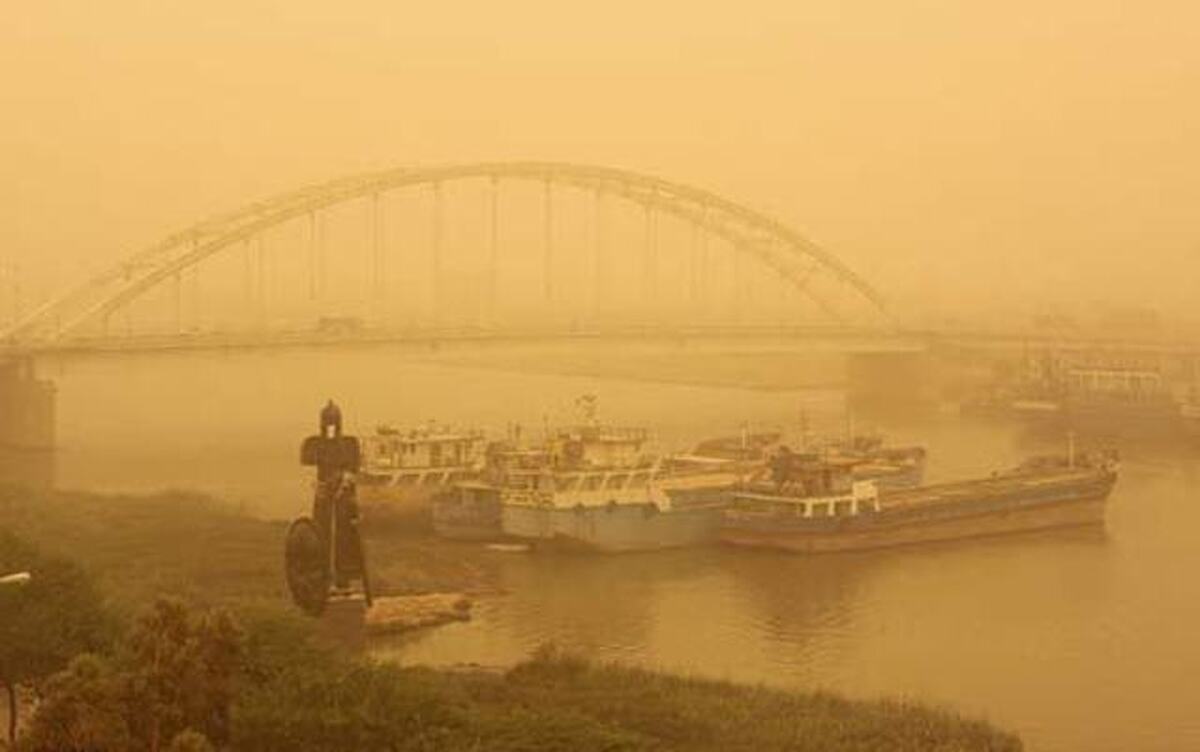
(343, 623)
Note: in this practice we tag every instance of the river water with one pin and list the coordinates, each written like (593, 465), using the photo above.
(1077, 639)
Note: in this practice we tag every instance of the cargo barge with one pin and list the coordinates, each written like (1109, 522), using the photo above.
(815, 507)
(590, 486)
(599, 491)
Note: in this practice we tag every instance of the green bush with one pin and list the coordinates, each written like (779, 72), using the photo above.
(45, 623)
(83, 710)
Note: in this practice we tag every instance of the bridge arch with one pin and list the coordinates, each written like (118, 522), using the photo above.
(772, 243)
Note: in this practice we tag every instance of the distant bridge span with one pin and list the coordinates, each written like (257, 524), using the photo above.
(839, 340)
(83, 313)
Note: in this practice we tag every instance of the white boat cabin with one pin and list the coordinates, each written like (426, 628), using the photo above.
(863, 496)
(598, 446)
(429, 447)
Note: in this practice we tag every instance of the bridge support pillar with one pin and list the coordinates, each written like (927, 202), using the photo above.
(27, 425)
(890, 381)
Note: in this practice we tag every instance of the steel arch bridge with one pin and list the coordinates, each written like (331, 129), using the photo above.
(83, 314)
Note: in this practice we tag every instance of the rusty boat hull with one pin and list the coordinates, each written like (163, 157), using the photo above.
(946, 512)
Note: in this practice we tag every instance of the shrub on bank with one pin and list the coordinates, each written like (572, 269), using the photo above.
(45, 623)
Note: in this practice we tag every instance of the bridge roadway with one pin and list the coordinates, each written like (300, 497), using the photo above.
(726, 338)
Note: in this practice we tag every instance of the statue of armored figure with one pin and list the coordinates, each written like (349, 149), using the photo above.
(324, 553)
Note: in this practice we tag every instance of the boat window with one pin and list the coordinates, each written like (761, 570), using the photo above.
(640, 479)
(592, 482)
(616, 481)
(842, 508)
(820, 509)
(568, 482)
(406, 480)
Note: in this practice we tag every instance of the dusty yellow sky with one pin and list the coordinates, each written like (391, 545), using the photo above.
(942, 148)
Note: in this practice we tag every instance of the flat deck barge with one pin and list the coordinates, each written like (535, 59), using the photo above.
(794, 517)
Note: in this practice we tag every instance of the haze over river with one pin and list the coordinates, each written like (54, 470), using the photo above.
(1077, 640)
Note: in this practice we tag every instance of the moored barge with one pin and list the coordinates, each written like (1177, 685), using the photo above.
(599, 492)
(815, 507)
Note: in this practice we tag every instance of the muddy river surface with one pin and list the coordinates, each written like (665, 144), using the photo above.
(1078, 640)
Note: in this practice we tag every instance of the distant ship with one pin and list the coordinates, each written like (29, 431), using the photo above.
(1087, 395)
(816, 506)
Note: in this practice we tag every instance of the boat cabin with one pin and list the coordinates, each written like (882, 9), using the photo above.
(862, 496)
(596, 446)
(391, 449)
(1120, 384)
(809, 486)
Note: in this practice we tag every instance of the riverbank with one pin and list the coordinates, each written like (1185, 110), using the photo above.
(555, 701)
(196, 549)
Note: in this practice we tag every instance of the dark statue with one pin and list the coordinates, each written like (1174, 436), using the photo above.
(324, 553)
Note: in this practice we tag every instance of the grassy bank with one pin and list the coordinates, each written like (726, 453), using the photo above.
(207, 552)
(293, 695)
(552, 702)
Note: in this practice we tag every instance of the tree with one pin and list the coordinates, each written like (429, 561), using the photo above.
(84, 710)
(169, 686)
(181, 673)
(46, 622)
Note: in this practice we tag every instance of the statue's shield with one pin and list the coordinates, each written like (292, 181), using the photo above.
(306, 561)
